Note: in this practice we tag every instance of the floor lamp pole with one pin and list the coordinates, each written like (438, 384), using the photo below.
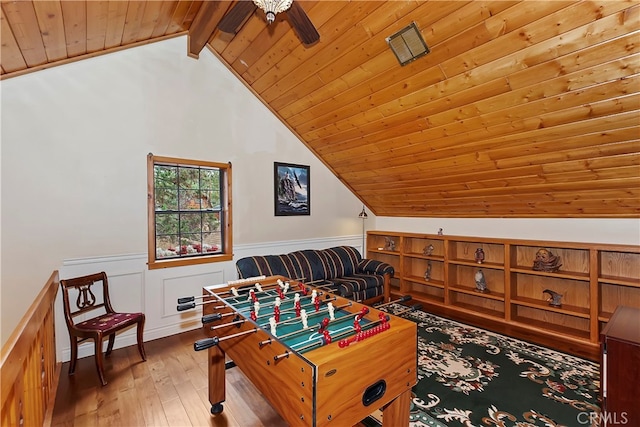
(363, 215)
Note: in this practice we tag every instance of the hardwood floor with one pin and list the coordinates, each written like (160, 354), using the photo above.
(169, 389)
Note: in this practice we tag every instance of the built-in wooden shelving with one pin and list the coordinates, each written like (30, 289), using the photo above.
(440, 270)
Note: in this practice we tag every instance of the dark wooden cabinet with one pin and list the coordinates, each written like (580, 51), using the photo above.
(620, 368)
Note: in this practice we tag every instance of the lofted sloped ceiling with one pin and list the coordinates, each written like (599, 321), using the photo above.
(521, 109)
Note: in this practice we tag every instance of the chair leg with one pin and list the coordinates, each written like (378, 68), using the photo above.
(74, 355)
(98, 351)
(112, 339)
(141, 341)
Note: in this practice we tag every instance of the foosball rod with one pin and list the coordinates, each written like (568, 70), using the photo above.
(246, 290)
(210, 342)
(216, 316)
(287, 310)
(184, 300)
(317, 313)
(312, 314)
(272, 303)
(321, 341)
(367, 327)
(191, 305)
(269, 286)
(241, 321)
(409, 309)
(332, 322)
(402, 299)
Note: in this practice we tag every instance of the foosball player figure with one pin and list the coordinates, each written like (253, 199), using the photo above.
(252, 296)
(323, 325)
(302, 288)
(296, 304)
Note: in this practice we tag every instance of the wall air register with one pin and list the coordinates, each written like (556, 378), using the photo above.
(407, 44)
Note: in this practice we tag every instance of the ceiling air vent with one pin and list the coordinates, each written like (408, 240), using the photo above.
(408, 44)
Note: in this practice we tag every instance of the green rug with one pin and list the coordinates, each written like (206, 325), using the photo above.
(473, 377)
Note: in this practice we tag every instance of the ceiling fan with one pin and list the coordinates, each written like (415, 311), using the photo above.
(302, 25)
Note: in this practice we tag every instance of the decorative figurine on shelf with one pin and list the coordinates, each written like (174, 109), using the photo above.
(428, 250)
(427, 274)
(481, 282)
(555, 299)
(546, 261)
(479, 256)
(440, 232)
(389, 245)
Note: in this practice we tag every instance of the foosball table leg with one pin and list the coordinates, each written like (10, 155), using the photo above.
(396, 413)
(217, 379)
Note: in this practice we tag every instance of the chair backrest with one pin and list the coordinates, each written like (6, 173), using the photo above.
(82, 290)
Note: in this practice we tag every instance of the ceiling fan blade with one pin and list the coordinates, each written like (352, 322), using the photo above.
(302, 25)
(234, 19)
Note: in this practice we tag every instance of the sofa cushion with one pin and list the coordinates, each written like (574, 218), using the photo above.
(310, 265)
(342, 261)
(359, 285)
(266, 265)
(367, 294)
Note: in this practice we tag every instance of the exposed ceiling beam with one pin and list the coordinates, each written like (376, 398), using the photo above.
(204, 24)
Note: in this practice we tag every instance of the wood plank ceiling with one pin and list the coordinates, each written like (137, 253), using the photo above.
(522, 108)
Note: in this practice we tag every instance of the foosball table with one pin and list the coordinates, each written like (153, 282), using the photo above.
(319, 359)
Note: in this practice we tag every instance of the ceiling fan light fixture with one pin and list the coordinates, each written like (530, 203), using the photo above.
(271, 7)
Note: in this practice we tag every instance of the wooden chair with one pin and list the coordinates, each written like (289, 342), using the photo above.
(98, 327)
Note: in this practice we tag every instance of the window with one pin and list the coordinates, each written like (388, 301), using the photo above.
(189, 211)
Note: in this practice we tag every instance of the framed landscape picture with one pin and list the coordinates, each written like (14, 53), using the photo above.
(292, 189)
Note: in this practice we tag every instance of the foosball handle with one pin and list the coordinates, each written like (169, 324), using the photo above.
(205, 343)
(185, 300)
(184, 307)
(416, 307)
(211, 318)
(405, 298)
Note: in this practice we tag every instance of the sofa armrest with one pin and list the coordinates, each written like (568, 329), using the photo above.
(372, 266)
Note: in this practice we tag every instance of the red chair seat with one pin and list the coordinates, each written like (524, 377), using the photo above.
(109, 321)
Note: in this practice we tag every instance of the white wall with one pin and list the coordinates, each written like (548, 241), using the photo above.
(73, 170)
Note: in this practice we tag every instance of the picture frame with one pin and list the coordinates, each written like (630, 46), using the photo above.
(291, 189)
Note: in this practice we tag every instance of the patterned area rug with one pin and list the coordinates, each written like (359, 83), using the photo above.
(472, 377)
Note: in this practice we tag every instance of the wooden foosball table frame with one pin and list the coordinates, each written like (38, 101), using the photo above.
(326, 386)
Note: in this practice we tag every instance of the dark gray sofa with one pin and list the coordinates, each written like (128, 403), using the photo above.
(340, 269)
